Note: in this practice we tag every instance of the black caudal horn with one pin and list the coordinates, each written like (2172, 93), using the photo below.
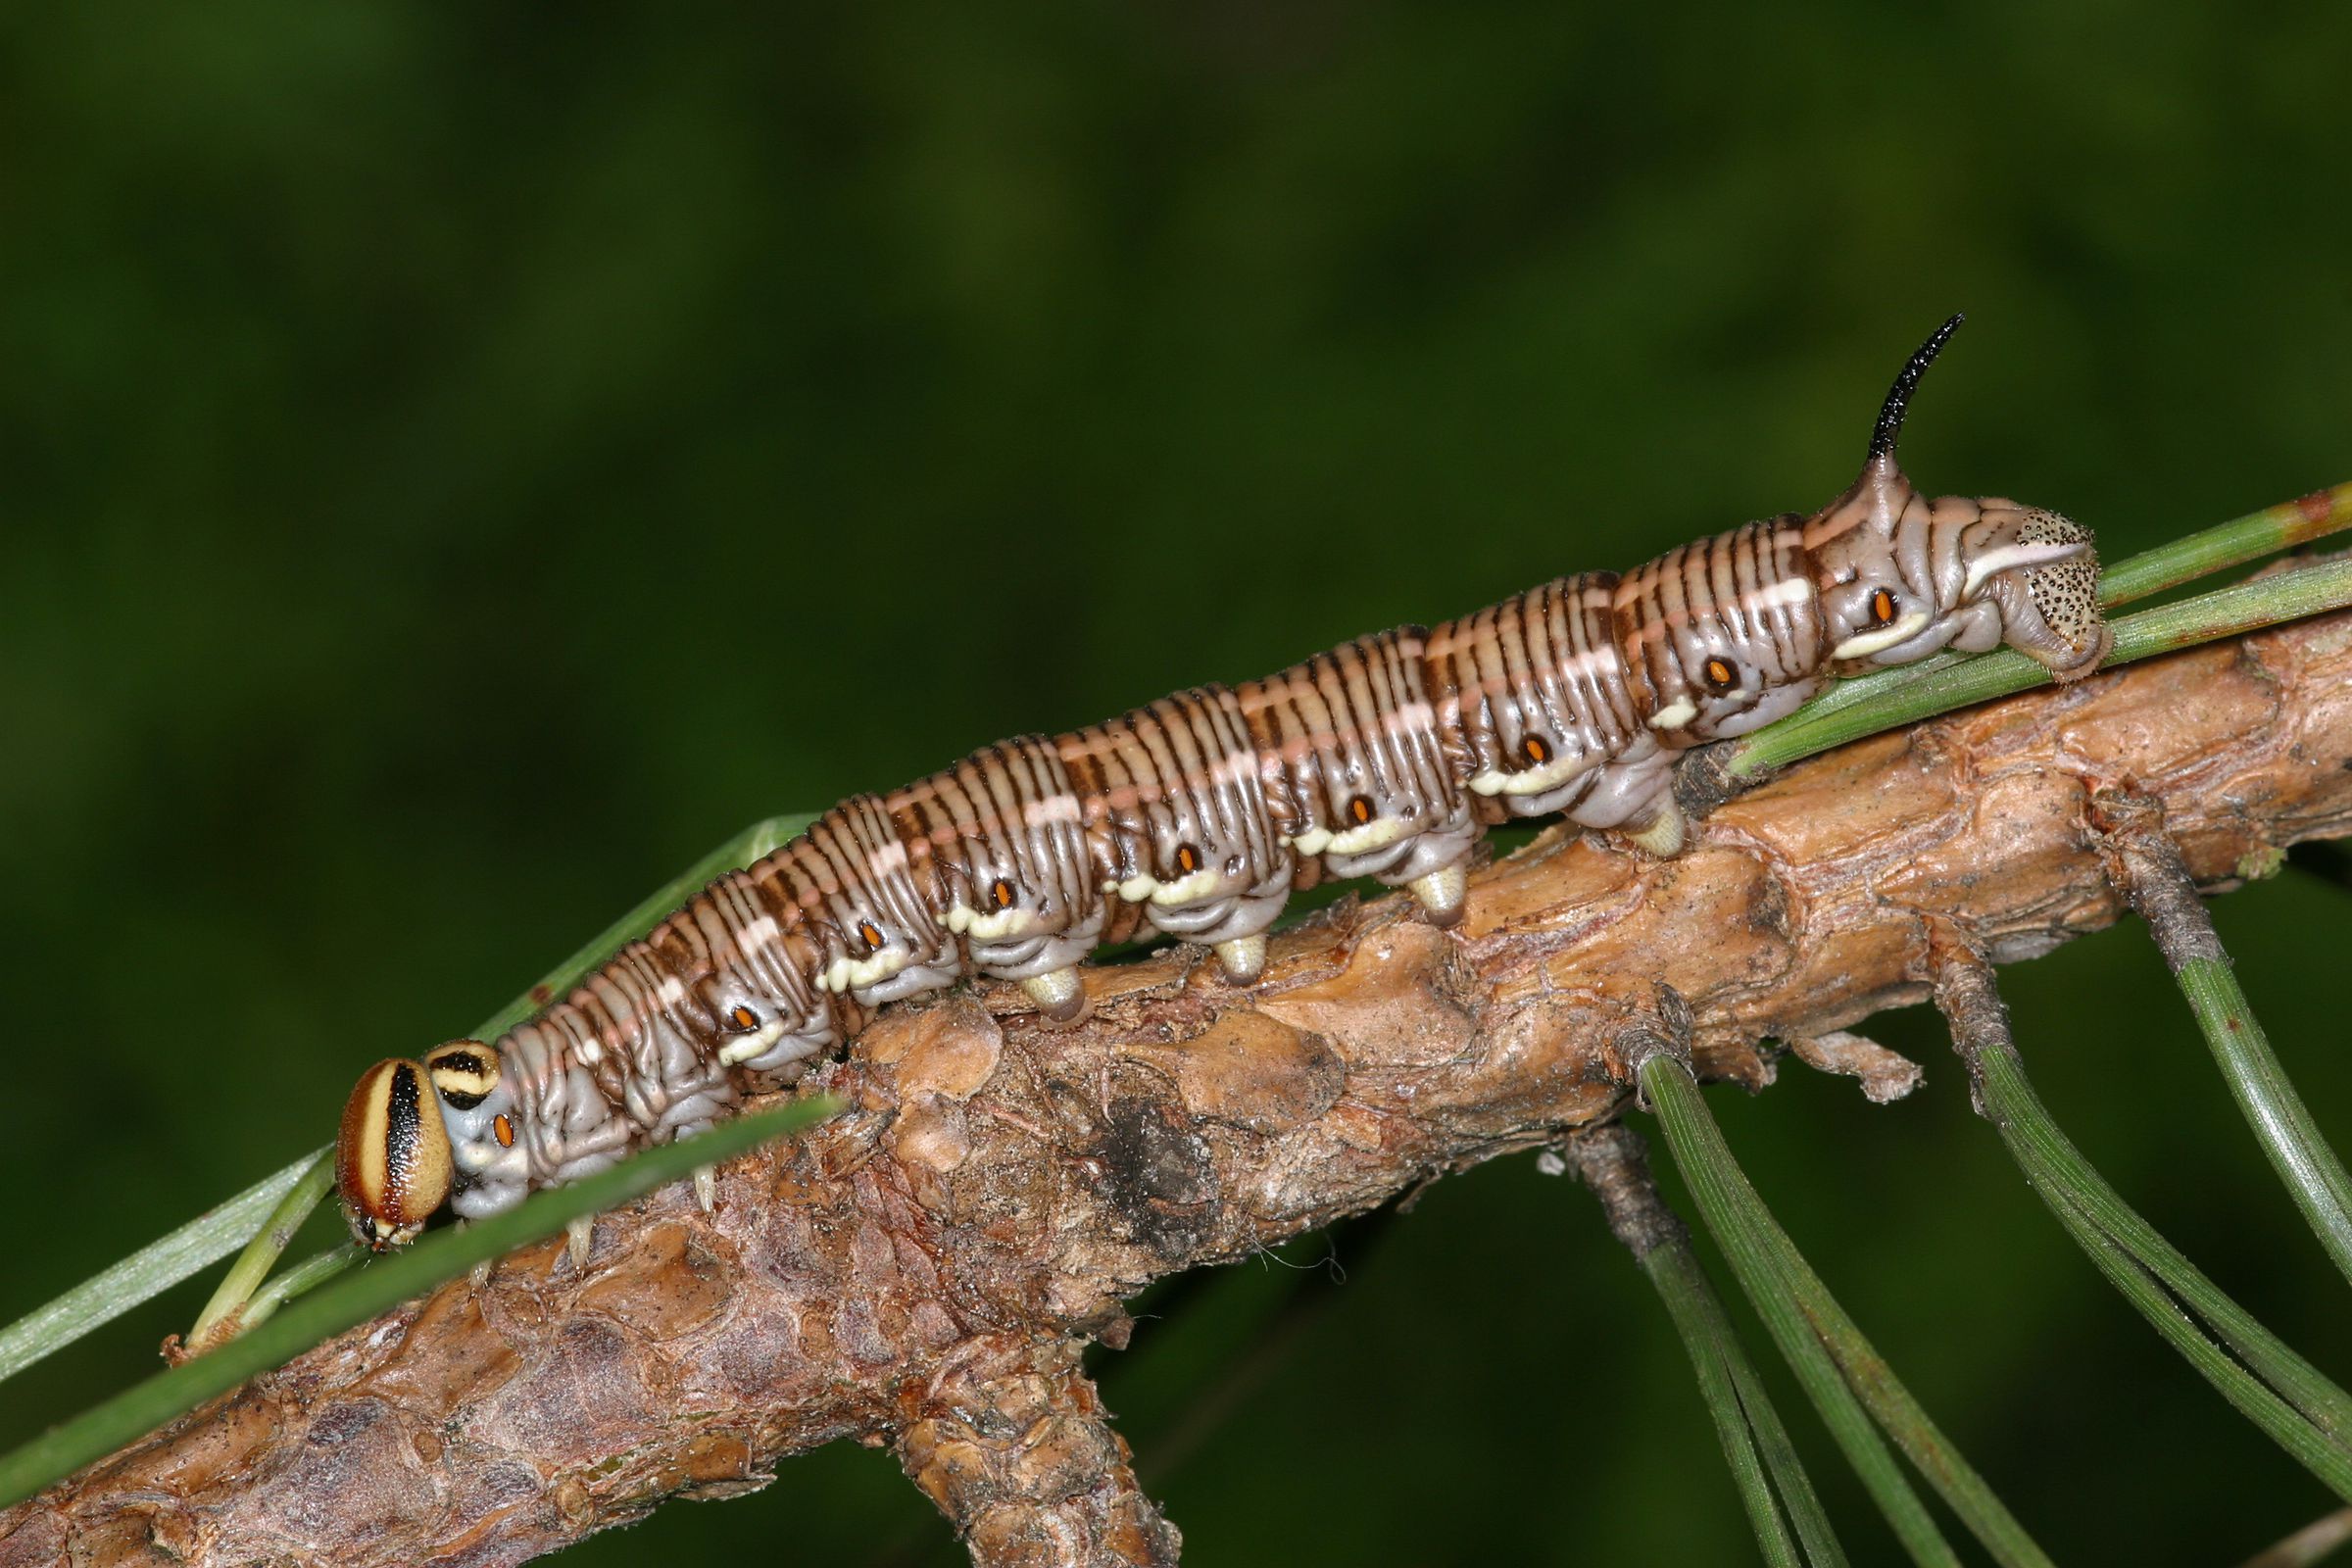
(1898, 396)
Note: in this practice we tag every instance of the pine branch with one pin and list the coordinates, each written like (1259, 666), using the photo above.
(996, 1189)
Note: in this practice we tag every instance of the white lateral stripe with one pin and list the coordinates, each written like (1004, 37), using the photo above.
(2012, 557)
(1865, 643)
(1788, 591)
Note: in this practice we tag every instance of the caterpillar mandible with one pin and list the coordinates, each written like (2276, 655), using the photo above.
(1199, 814)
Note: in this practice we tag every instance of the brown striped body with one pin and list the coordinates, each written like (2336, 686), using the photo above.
(1534, 695)
(1178, 819)
(1357, 774)
(1198, 816)
(1724, 635)
(999, 842)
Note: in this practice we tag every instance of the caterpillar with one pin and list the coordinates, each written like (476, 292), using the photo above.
(1197, 816)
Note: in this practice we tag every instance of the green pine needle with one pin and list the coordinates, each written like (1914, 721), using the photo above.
(2276, 1389)
(1772, 1484)
(147, 1272)
(1841, 1371)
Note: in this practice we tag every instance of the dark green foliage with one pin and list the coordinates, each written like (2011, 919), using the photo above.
(458, 465)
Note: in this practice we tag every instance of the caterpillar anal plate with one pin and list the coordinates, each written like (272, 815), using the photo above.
(1443, 892)
(1243, 959)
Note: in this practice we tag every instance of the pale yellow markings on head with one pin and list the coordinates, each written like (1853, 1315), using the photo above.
(1137, 888)
(369, 1153)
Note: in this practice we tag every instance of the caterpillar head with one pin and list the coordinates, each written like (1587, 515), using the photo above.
(391, 1155)
(410, 1135)
(1900, 576)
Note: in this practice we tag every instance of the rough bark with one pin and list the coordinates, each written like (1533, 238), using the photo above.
(922, 1270)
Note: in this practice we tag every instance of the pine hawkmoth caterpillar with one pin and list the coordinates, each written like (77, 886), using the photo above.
(1197, 816)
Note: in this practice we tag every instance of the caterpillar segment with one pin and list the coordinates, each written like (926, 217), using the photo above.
(879, 934)
(1533, 698)
(1175, 807)
(754, 963)
(1000, 843)
(1356, 773)
(1198, 816)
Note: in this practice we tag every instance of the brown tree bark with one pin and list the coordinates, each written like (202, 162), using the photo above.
(922, 1271)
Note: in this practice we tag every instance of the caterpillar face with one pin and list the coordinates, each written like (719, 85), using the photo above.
(1900, 576)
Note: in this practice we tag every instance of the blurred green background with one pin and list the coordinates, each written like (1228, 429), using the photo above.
(459, 464)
